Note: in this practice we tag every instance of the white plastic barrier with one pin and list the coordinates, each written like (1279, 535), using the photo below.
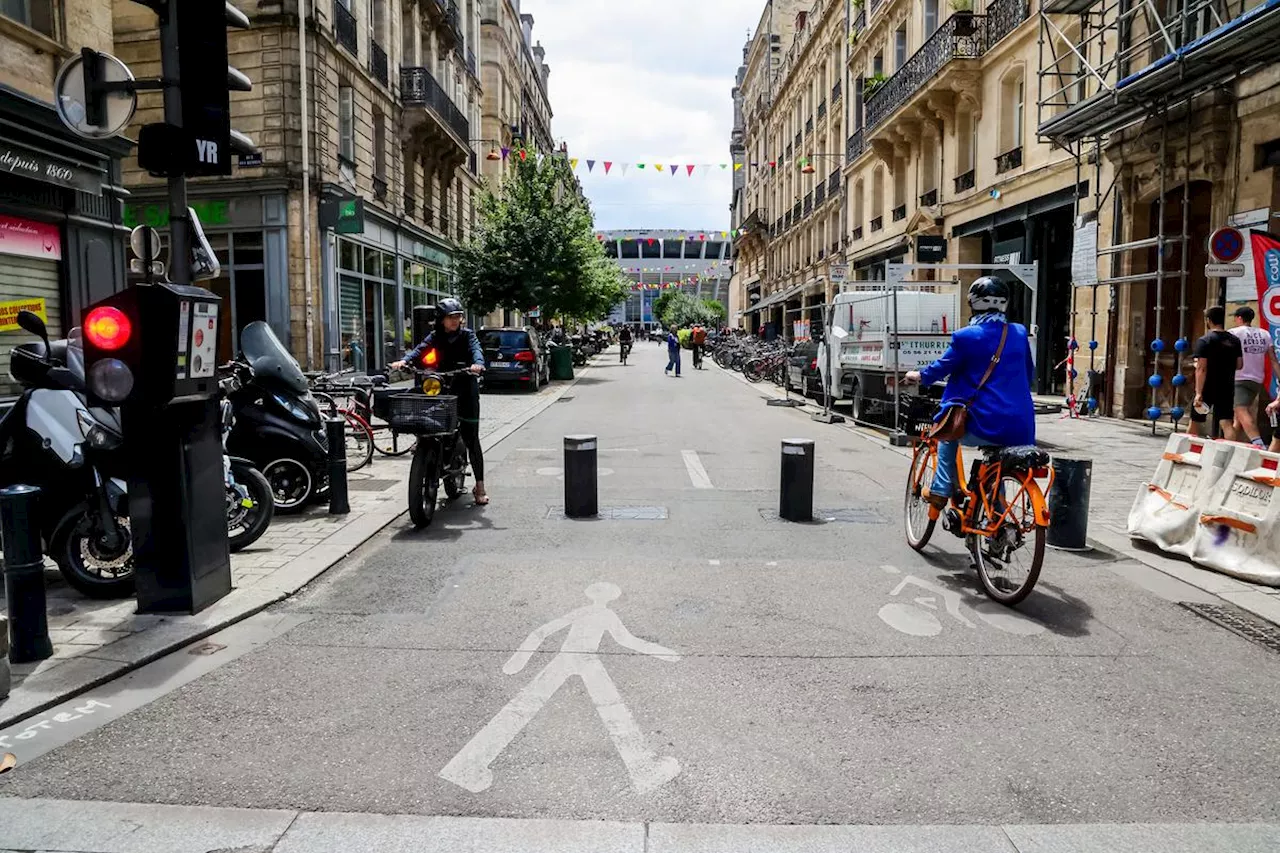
(1167, 510)
(1238, 529)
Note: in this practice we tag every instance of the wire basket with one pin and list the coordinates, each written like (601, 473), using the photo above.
(382, 401)
(422, 415)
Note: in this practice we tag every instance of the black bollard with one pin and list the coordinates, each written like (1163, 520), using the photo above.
(335, 431)
(24, 575)
(581, 497)
(795, 498)
(1069, 504)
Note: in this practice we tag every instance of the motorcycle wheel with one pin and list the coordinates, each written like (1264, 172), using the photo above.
(456, 484)
(86, 563)
(245, 525)
(291, 484)
(424, 483)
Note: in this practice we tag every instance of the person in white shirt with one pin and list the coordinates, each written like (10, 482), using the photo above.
(1258, 350)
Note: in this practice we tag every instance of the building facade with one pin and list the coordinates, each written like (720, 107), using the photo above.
(516, 107)
(661, 259)
(61, 232)
(390, 96)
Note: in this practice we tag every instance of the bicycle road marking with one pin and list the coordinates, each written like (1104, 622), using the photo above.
(697, 473)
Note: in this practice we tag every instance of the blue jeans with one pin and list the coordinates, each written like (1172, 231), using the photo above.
(944, 479)
(673, 360)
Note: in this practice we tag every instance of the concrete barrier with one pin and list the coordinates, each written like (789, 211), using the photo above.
(1238, 527)
(1167, 510)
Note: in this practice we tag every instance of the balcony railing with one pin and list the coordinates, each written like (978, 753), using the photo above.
(959, 37)
(378, 63)
(345, 29)
(754, 220)
(929, 199)
(799, 140)
(877, 224)
(790, 150)
(379, 188)
(856, 234)
(1003, 16)
(900, 213)
(819, 194)
(786, 220)
(795, 213)
(1009, 160)
(836, 91)
(822, 253)
(875, 4)
(966, 181)
(853, 150)
(822, 110)
(833, 184)
(419, 89)
(860, 21)
(835, 246)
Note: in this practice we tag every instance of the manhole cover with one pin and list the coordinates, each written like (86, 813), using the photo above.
(370, 485)
(1238, 622)
(621, 513)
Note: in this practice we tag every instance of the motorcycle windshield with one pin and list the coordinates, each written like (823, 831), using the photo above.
(75, 353)
(269, 358)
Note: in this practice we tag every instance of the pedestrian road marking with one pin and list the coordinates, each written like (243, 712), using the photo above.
(578, 656)
(697, 473)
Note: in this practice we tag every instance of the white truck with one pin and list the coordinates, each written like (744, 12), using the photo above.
(861, 324)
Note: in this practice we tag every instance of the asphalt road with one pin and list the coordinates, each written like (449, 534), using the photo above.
(714, 665)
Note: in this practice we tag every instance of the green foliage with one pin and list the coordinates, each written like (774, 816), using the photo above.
(675, 307)
(535, 246)
(717, 311)
(685, 336)
(662, 304)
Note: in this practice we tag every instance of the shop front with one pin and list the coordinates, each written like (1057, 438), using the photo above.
(61, 236)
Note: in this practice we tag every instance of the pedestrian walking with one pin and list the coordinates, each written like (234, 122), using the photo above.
(673, 352)
(1218, 357)
(1258, 353)
(698, 341)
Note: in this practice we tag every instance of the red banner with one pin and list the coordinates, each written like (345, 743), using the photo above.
(1266, 269)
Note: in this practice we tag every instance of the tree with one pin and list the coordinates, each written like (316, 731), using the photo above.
(718, 313)
(535, 246)
(675, 307)
(662, 305)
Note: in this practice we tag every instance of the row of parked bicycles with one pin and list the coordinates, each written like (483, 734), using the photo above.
(756, 360)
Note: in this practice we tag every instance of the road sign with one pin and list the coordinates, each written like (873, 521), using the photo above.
(1226, 244)
(1270, 304)
(1224, 270)
(91, 114)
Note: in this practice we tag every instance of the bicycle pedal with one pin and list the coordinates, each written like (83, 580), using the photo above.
(953, 522)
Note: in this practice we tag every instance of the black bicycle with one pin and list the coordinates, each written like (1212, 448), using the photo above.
(626, 351)
(440, 455)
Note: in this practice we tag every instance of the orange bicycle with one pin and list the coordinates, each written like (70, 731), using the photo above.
(1003, 518)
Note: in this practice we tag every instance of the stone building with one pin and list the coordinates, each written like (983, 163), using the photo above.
(390, 96)
(516, 109)
(61, 237)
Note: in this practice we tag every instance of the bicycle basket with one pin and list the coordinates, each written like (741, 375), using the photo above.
(382, 401)
(422, 415)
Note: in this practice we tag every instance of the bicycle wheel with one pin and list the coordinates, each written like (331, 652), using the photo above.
(359, 438)
(1009, 560)
(915, 508)
(388, 442)
(753, 370)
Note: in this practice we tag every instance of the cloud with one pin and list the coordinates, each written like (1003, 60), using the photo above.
(646, 83)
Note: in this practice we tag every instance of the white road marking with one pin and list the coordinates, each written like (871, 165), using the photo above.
(578, 656)
(558, 473)
(919, 622)
(714, 562)
(772, 563)
(559, 449)
(892, 570)
(697, 473)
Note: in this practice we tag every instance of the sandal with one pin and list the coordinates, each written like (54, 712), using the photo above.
(480, 497)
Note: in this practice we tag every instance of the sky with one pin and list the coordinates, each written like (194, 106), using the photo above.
(646, 83)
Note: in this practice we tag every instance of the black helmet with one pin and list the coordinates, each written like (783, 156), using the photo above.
(988, 294)
(448, 306)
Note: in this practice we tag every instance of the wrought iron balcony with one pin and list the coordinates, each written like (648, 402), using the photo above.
(822, 253)
(822, 110)
(860, 21)
(836, 91)
(795, 213)
(790, 150)
(345, 29)
(856, 233)
(379, 188)
(833, 184)
(835, 246)
(875, 4)
(929, 199)
(966, 181)
(808, 203)
(1009, 160)
(799, 140)
(853, 150)
(959, 37)
(378, 63)
(786, 220)
(877, 224)
(900, 213)
(754, 220)
(819, 194)
(1003, 17)
(419, 89)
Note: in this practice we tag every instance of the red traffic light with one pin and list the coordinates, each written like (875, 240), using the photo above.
(107, 328)
(431, 358)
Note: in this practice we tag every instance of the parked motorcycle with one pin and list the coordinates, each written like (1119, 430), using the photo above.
(277, 423)
(53, 440)
(440, 455)
(250, 502)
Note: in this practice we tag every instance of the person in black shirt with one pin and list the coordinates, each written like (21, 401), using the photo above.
(1218, 357)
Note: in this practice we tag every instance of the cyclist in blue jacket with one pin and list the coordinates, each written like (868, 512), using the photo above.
(1002, 412)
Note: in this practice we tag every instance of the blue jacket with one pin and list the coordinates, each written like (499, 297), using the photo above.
(1002, 413)
(673, 343)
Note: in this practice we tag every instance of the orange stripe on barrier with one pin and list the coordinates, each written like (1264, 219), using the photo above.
(1227, 521)
(1167, 496)
(1266, 481)
(1172, 457)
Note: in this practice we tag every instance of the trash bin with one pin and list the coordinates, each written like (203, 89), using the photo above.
(561, 362)
(1069, 504)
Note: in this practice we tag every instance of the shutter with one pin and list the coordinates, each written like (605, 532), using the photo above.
(22, 278)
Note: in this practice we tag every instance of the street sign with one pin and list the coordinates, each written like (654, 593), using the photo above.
(1226, 244)
(931, 249)
(1270, 304)
(839, 273)
(1223, 270)
(94, 115)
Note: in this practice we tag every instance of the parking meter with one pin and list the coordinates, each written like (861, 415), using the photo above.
(152, 351)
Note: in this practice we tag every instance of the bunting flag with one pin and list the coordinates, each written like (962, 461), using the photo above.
(625, 166)
(608, 164)
(523, 154)
(736, 166)
(591, 164)
(657, 166)
(573, 164)
(690, 169)
(639, 165)
(506, 152)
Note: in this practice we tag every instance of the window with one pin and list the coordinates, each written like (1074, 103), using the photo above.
(1019, 112)
(378, 21)
(899, 182)
(858, 213)
(877, 193)
(966, 139)
(39, 15)
(1012, 111)
(900, 47)
(877, 65)
(346, 125)
(379, 145)
(930, 17)
(928, 164)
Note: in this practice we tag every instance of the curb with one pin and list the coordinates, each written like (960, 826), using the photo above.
(318, 560)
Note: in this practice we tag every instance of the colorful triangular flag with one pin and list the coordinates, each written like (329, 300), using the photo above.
(690, 169)
(523, 154)
(573, 164)
(591, 164)
(608, 164)
(737, 167)
(506, 152)
(624, 166)
(726, 165)
(658, 166)
(639, 165)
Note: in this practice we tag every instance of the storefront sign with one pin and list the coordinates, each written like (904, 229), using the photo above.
(1264, 251)
(1242, 288)
(9, 312)
(30, 239)
(26, 163)
(1084, 255)
(210, 211)
(931, 249)
(343, 215)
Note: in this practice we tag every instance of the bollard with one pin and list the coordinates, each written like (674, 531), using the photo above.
(581, 498)
(795, 497)
(24, 575)
(1069, 504)
(335, 431)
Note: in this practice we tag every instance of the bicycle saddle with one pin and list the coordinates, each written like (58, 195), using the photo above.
(1019, 458)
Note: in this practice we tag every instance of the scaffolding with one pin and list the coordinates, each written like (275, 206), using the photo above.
(1106, 66)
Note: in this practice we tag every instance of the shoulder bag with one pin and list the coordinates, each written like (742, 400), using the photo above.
(955, 421)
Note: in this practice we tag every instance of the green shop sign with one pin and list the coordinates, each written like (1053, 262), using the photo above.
(211, 212)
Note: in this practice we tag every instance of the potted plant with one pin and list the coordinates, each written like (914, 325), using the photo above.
(963, 10)
(872, 84)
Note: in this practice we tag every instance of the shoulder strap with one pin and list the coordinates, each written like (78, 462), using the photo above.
(991, 367)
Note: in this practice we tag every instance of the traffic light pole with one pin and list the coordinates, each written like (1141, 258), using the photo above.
(179, 226)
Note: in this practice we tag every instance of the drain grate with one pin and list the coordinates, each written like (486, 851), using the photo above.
(1239, 622)
(845, 515)
(620, 513)
(370, 485)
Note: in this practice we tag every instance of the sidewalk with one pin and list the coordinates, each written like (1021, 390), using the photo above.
(96, 641)
(1124, 455)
